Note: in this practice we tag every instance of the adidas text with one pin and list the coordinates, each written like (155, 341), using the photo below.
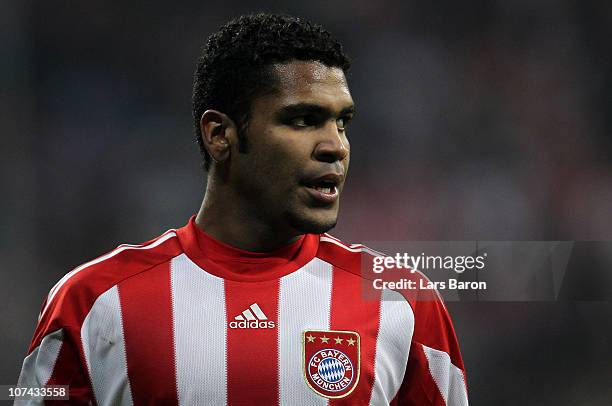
(252, 324)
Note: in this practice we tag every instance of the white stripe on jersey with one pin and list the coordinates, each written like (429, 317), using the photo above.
(353, 247)
(38, 366)
(304, 303)
(198, 309)
(104, 348)
(327, 235)
(339, 244)
(167, 235)
(392, 346)
(447, 377)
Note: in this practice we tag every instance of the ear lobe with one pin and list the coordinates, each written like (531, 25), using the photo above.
(215, 128)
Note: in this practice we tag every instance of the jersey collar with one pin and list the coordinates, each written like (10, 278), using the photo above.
(232, 263)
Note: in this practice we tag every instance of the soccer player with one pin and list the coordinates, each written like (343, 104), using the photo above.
(251, 302)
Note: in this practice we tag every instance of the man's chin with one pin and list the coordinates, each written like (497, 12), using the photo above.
(311, 225)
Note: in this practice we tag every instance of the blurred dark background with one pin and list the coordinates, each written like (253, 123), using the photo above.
(476, 120)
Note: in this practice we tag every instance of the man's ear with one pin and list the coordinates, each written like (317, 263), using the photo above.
(218, 133)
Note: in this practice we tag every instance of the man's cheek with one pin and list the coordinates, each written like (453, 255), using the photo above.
(346, 163)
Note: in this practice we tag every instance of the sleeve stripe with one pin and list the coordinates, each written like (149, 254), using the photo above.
(352, 248)
(38, 366)
(448, 378)
(169, 234)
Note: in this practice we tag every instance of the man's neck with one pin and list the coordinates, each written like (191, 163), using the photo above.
(229, 219)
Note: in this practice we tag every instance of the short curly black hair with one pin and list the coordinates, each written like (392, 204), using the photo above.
(234, 66)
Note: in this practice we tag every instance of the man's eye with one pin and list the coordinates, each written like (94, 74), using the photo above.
(299, 122)
(303, 121)
(342, 123)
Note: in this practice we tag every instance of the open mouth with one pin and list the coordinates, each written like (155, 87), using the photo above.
(324, 189)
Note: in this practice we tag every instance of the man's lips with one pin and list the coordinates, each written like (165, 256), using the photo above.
(323, 196)
(324, 189)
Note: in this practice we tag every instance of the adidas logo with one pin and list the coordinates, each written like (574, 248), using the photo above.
(253, 317)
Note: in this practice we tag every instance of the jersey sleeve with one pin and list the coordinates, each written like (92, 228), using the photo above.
(435, 374)
(55, 356)
(81, 317)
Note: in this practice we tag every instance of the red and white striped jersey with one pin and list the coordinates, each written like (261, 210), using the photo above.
(185, 319)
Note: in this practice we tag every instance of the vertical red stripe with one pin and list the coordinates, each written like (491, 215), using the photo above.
(71, 368)
(252, 353)
(418, 387)
(350, 311)
(146, 308)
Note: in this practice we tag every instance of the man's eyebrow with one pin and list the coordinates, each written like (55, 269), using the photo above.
(310, 108)
(347, 110)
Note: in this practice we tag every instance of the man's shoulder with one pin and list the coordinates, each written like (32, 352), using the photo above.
(86, 282)
(359, 260)
(350, 257)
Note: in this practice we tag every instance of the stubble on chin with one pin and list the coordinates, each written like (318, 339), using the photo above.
(307, 225)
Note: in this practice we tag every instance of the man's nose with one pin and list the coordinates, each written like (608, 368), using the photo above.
(333, 146)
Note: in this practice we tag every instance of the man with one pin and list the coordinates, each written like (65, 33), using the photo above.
(250, 302)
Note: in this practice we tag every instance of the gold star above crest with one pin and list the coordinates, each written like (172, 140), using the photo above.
(350, 341)
(338, 340)
(324, 339)
(310, 338)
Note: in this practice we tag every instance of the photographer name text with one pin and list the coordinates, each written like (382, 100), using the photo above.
(422, 284)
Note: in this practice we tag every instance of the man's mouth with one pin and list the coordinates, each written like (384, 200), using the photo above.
(328, 190)
(324, 189)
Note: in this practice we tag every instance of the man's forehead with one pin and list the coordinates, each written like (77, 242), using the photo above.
(309, 82)
(310, 78)
(310, 71)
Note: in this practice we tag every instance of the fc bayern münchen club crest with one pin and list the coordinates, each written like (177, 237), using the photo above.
(331, 361)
